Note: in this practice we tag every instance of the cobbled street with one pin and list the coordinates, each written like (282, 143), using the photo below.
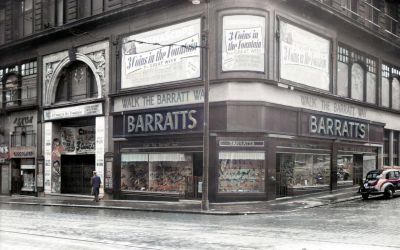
(356, 224)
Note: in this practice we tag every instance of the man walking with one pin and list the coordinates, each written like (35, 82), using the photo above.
(95, 186)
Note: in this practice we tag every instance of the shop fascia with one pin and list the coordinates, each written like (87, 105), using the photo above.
(337, 127)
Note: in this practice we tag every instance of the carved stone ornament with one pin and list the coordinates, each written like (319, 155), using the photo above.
(99, 60)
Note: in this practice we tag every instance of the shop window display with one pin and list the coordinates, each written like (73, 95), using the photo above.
(156, 172)
(304, 170)
(345, 167)
(241, 172)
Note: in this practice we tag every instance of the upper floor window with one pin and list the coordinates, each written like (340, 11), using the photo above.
(351, 5)
(2, 25)
(356, 77)
(26, 17)
(76, 82)
(64, 11)
(19, 84)
(391, 17)
(29, 68)
(372, 11)
(390, 86)
(11, 90)
(23, 136)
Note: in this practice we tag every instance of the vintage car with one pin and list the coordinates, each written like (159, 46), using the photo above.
(381, 182)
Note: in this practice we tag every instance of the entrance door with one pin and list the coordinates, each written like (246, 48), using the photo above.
(284, 169)
(4, 179)
(76, 172)
(358, 169)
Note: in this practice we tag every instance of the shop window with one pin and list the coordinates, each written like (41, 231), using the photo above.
(241, 172)
(156, 172)
(345, 170)
(369, 164)
(28, 175)
(303, 171)
(356, 75)
(76, 82)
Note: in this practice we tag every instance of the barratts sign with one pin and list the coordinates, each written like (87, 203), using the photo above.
(304, 57)
(163, 55)
(337, 127)
(243, 43)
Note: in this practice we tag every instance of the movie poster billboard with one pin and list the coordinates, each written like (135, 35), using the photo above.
(243, 43)
(304, 57)
(167, 54)
(78, 140)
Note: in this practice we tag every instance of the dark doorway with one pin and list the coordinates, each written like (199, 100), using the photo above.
(76, 172)
(358, 169)
(284, 173)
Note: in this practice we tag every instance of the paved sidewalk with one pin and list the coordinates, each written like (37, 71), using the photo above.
(287, 204)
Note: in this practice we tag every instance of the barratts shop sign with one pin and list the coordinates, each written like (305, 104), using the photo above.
(163, 122)
(337, 127)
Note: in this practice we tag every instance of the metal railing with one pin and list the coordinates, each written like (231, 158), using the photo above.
(373, 18)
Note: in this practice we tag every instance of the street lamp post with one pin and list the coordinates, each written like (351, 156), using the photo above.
(206, 132)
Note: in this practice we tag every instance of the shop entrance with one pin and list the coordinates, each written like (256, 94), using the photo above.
(76, 173)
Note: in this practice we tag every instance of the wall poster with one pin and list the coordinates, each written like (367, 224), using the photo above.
(243, 43)
(304, 57)
(78, 140)
(48, 130)
(167, 54)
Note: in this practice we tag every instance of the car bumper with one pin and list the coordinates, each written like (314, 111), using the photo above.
(370, 191)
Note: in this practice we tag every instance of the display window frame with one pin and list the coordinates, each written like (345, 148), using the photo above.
(168, 181)
(241, 145)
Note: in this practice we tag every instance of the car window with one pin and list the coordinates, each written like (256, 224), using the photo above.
(390, 175)
(372, 176)
(396, 174)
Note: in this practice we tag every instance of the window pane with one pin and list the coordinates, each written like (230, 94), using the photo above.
(343, 79)
(156, 172)
(170, 176)
(241, 172)
(395, 94)
(345, 170)
(357, 82)
(299, 173)
(385, 92)
(27, 5)
(134, 175)
(371, 87)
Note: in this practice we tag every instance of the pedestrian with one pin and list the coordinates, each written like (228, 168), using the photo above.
(95, 181)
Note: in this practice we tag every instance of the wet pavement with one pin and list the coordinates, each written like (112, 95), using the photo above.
(287, 204)
(350, 224)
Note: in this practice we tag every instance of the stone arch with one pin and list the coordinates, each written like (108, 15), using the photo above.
(53, 83)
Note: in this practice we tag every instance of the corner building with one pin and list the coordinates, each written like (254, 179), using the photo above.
(304, 95)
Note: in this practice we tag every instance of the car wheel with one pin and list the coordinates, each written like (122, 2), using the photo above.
(365, 196)
(389, 192)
